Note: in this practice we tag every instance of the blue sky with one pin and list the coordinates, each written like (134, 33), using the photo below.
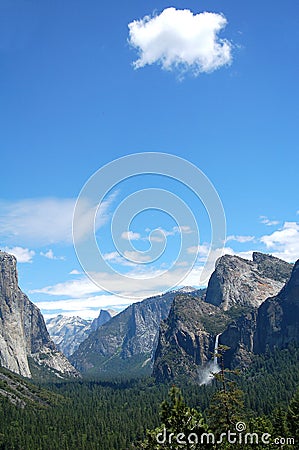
(72, 100)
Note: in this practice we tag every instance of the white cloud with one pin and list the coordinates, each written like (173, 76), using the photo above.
(159, 234)
(284, 243)
(184, 229)
(136, 257)
(87, 308)
(90, 216)
(130, 236)
(74, 288)
(116, 258)
(38, 221)
(268, 222)
(23, 255)
(75, 272)
(179, 39)
(136, 285)
(42, 221)
(50, 255)
(241, 239)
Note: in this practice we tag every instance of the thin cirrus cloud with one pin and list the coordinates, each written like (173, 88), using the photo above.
(179, 39)
(240, 239)
(268, 222)
(44, 221)
(36, 221)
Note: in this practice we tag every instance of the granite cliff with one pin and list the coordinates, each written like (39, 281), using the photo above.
(229, 308)
(187, 337)
(24, 339)
(240, 282)
(277, 323)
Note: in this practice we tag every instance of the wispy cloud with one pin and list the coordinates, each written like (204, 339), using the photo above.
(23, 255)
(87, 307)
(74, 288)
(130, 236)
(42, 221)
(159, 234)
(129, 258)
(179, 39)
(50, 255)
(241, 239)
(268, 222)
(37, 221)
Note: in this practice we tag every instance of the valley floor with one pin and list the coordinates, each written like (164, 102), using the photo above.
(111, 415)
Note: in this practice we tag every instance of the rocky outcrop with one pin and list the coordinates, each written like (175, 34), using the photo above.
(187, 338)
(23, 333)
(239, 337)
(235, 290)
(20, 392)
(242, 283)
(104, 317)
(127, 342)
(277, 323)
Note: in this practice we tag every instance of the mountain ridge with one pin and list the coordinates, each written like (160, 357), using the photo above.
(127, 342)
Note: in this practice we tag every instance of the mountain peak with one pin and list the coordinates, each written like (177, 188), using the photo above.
(239, 282)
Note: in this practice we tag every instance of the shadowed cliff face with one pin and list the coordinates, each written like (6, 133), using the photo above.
(236, 289)
(187, 338)
(277, 323)
(23, 333)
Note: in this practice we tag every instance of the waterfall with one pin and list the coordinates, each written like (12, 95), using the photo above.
(216, 347)
(206, 372)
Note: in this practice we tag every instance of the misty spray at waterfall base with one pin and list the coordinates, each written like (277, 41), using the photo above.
(205, 373)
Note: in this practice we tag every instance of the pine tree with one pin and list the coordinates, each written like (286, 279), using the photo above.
(181, 426)
(293, 417)
(226, 408)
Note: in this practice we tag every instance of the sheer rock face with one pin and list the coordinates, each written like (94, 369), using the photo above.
(277, 322)
(243, 283)
(23, 332)
(186, 340)
(239, 337)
